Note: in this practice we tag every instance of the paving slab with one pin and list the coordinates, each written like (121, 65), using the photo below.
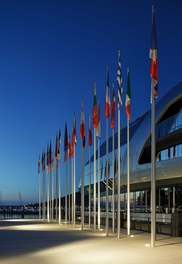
(36, 241)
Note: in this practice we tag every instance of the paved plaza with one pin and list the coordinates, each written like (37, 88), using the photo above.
(33, 241)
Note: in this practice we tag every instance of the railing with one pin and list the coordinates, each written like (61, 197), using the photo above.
(168, 126)
(160, 218)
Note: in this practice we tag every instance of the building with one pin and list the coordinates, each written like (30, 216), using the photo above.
(168, 157)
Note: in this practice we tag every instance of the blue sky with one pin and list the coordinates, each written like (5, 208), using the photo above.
(51, 52)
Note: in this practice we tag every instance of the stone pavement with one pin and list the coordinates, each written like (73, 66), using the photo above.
(37, 242)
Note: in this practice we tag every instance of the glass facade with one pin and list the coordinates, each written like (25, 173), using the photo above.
(140, 200)
(172, 124)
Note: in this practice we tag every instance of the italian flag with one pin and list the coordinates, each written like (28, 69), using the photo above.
(107, 107)
(94, 116)
(128, 96)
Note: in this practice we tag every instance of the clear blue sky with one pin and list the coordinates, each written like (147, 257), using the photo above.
(51, 52)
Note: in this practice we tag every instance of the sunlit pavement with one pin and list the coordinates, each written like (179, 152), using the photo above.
(32, 241)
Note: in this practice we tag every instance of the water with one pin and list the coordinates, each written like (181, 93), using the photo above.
(19, 216)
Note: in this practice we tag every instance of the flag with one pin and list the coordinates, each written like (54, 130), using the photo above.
(48, 159)
(72, 144)
(128, 96)
(74, 137)
(51, 158)
(82, 127)
(69, 147)
(98, 130)
(107, 106)
(59, 140)
(74, 130)
(113, 108)
(119, 82)
(65, 143)
(57, 154)
(43, 161)
(57, 147)
(153, 56)
(90, 132)
(94, 116)
(39, 164)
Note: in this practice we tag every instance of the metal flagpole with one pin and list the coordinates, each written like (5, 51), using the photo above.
(94, 179)
(74, 187)
(120, 91)
(66, 200)
(153, 173)
(113, 207)
(39, 182)
(119, 181)
(59, 190)
(42, 207)
(44, 194)
(89, 214)
(98, 182)
(128, 177)
(107, 114)
(69, 184)
(107, 163)
(72, 169)
(154, 94)
(52, 193)
(82, 136)
(82, 191)
(48, 198)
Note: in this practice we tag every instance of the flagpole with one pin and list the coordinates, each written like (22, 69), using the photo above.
(48, 189)
(120, 91)
(52, 192)
(66, 201)
(128, 177)
(113, 207)
(69, 190)
(98, 182)
(119, 173)
(153, 172)
(74, 188)
(59, 190)
(51, 195)
(107, 114)
(72, 198)
(107, 176)
(39, 187)
(82, 192)
(94, 179)
(44, 195)
(89, 213)
(98, 134)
